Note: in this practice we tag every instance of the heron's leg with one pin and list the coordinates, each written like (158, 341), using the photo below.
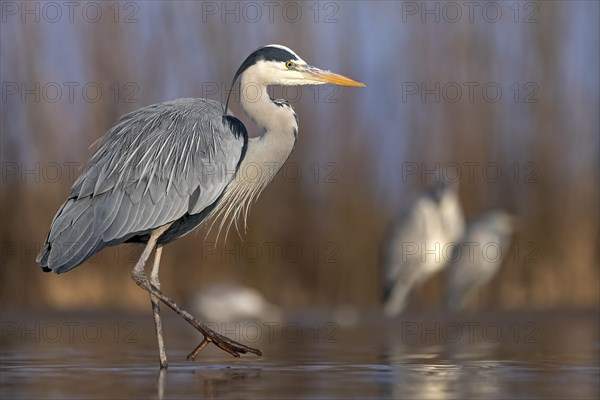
(156, 308)
(160, 384)
(139, 277)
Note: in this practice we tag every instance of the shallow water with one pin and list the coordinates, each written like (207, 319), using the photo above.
(311, 355)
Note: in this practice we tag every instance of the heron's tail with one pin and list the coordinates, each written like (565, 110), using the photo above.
(71, 240)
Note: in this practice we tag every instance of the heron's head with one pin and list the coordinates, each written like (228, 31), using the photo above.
(278, 65)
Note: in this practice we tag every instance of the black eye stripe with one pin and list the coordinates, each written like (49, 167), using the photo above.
(273, 54)
(268, 53)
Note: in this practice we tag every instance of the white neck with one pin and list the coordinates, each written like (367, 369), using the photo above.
(279, 126)
(258, 105)
(265, 154)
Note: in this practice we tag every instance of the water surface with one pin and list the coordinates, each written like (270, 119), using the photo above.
(312, 355)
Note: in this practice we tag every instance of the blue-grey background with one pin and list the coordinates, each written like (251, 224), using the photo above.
(502, 96)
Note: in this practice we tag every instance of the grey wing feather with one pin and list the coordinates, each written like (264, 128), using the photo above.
(103, 213)
(155, 166)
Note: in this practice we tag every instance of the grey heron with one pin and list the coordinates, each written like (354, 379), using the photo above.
(479, 256)
(419, 243)
(164, 169)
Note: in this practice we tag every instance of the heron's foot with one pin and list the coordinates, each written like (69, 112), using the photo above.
(224, 343)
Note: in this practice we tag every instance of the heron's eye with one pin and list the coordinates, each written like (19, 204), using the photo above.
(289, 64)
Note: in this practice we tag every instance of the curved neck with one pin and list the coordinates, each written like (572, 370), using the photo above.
(264, 156)
(279, 125)
(271, 117)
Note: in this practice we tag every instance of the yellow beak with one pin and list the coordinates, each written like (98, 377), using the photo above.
(320, 75)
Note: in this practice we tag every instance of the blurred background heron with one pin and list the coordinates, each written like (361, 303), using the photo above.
(479, 256)
(419, 243)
